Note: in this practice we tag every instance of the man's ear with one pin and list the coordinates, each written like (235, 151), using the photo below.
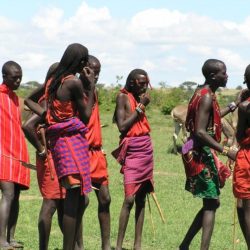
(212, 76)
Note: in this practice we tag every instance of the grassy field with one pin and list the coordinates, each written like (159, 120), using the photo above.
(179, 207)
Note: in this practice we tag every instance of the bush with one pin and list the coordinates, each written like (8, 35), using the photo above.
(175, 97)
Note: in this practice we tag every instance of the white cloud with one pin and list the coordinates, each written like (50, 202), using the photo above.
(172, 45)
(200, 50)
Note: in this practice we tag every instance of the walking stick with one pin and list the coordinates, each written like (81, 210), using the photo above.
(158, 206)
(234, 225)
(42, 132)
(25, 164)
(151, 217)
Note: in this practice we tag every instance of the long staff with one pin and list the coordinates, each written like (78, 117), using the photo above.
(158, 206)
(25, 164)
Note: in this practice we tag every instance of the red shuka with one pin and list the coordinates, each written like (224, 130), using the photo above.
(141, 127)
(98, 163)
(12, 141)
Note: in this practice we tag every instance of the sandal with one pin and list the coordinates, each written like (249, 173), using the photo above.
(6, 246)
(16, 244)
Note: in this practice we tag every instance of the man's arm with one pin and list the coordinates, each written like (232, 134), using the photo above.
(123, 120)
(29, 129)
(242, 121)
(84, 108)
(202, 121)
(32, 101)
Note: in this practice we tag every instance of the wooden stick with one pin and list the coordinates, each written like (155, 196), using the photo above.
(25, 164)
(234, 225)
(158, 206)
(95, 188)
(151, 217)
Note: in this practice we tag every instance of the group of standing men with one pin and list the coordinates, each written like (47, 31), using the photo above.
(65, 129)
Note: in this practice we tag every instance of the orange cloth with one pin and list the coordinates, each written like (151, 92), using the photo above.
(47, 179)
(12, 141)
(98, 162)
(94, 135)
(62, 109)
(141, 127)
(241, 175)
(98, 167)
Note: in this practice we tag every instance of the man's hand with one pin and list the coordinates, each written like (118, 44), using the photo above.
(232, 153)
(88, 78)
(144, 99)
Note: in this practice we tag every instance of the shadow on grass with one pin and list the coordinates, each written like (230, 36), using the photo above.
(113, 248)
(171, 150)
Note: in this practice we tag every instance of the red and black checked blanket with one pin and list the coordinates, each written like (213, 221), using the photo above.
(69, 150)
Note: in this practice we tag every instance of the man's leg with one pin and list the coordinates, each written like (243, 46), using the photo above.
(79, 237)
(74, 206)
(104, 200)
(13, 217)
(246, 207)
(209, 207)
(47, 211)
(241, 217)
(139, 218)
(8, 193)
(192, 231)
(123, 220)
(205, 220)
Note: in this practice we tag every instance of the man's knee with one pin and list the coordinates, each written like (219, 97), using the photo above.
(105, 200)
(211, 204)
(8, 195)
(129, 202)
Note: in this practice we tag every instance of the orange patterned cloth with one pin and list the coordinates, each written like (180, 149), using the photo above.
(12, 141)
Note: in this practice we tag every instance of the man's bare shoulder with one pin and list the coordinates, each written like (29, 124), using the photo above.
(121, 97)
(244, 106)
(74, 83)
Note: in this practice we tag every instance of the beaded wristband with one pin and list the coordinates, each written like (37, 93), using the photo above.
(225, 150)
(139, 110)
(232, 106)
(43, 153)
(141, 106)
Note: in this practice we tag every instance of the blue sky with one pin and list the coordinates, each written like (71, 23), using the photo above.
(169, 39)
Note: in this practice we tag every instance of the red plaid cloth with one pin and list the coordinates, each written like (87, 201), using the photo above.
(69, 150)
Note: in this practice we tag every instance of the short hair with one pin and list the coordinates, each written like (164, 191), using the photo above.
(211, 66)
(247, 74)
(93, 59)
(133, 73)
(51, 71)
(8, 65)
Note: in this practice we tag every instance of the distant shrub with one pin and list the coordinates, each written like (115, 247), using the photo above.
(175, 97)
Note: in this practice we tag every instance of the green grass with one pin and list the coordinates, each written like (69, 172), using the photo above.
(179, 207)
